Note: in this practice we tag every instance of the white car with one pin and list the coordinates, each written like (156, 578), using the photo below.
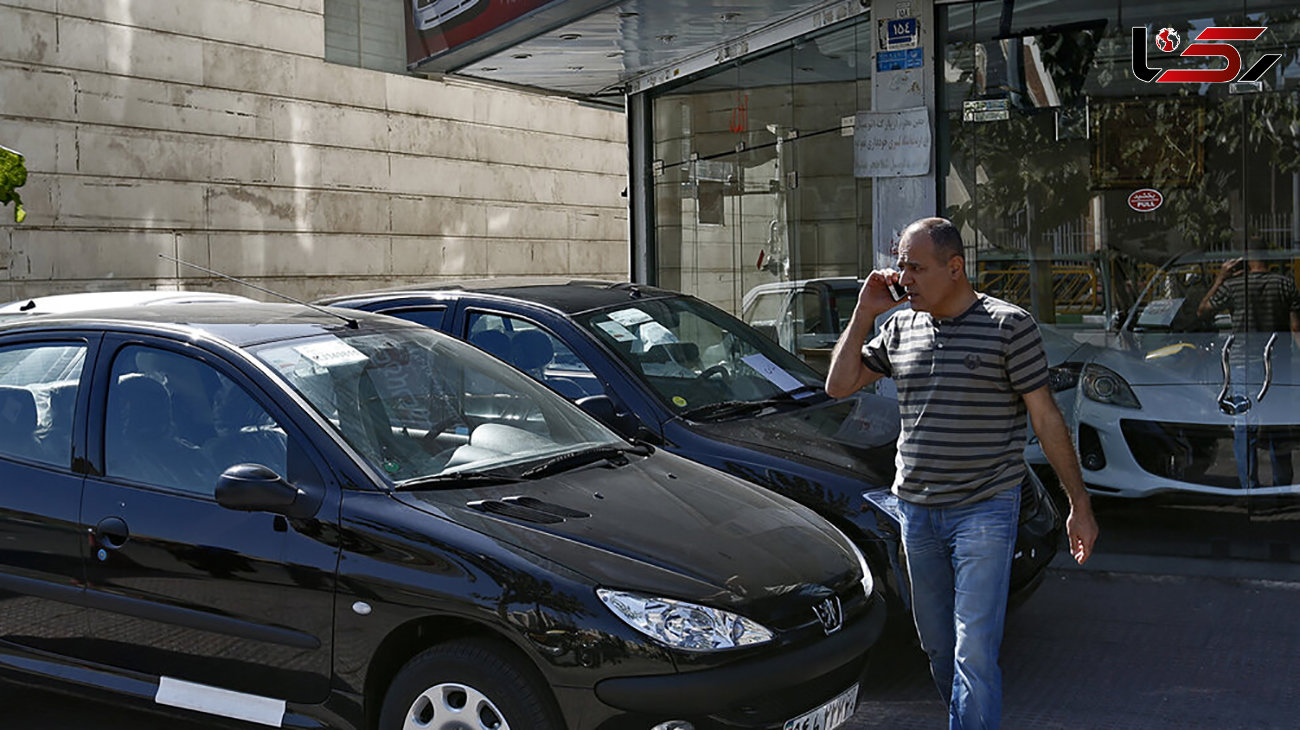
(64, 303)
(805, 316)
(1176, 401)
(434, 13)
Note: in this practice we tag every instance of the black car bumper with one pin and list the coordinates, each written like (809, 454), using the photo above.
(757, 693)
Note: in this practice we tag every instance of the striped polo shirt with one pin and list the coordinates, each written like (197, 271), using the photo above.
(1259, 302)
(960, 383)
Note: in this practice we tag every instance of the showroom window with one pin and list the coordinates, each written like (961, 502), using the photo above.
(753, 177)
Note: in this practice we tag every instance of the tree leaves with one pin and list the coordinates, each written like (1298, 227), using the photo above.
(13, 175)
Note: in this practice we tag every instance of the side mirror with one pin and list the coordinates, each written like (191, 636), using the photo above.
(602, 408)
(255, 488)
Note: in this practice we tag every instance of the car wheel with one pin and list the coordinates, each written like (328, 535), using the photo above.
(469, 684)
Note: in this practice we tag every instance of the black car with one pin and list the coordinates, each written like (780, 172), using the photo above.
(310, 518)
(672, 370)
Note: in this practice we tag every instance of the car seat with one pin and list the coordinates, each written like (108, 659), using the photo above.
(18, 423)
(139, 442)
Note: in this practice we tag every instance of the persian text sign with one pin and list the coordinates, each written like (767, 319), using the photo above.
(892, 144)
(1145, 200)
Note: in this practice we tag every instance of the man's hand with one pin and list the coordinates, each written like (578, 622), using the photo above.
(874, 299)
(1054, 437)
(847, 375)
(1229, 267)
(1082, 529)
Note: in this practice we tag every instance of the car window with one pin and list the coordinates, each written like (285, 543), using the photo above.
(843, 304)
(808, 314)
(429, 317)
(766, 308)
(38, 395)
(694, 355)
(417, 404)
(174, 421)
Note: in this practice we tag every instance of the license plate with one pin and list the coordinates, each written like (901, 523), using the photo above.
(830, 715)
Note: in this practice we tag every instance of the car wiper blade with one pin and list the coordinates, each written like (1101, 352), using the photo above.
(573, 459)
(454, 480)
(737, 407)
(725, 408)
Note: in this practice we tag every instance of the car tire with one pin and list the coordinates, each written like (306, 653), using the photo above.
(467, 683)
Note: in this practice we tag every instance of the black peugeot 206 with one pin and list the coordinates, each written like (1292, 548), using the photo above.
(310, 518)
(673, 370)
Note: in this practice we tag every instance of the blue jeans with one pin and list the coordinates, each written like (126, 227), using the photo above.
(1246, 440)
(959, 565)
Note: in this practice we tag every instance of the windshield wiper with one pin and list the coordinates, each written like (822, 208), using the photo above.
(737, 407)
(573, 459)
(454, 480)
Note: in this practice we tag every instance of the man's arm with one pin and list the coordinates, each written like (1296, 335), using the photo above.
(1054, 437)
(1295, 327)
(1205, 309)
(848, 374)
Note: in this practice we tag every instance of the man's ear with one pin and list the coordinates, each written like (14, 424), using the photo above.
(956, 265)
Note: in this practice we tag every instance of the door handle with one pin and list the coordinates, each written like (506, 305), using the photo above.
(1226, 405)
(1268, 366)
(111, 533)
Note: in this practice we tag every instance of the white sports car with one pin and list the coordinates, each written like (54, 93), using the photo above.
(1190, 399)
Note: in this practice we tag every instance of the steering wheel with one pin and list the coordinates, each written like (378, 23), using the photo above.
(712, 370)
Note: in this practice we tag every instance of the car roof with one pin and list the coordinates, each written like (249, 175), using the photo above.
(80, 301)
(238, 323)
(570, 296)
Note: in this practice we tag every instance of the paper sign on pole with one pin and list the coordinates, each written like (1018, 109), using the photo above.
(892, 144)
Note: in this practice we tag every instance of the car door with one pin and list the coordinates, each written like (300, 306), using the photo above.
(41, 541)
(178, 586)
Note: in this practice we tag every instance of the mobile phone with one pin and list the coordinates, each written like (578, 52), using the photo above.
(897, 291)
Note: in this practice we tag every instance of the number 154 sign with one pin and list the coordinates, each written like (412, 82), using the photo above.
(1211, 42)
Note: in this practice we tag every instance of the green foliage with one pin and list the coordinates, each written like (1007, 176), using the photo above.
(13, 175)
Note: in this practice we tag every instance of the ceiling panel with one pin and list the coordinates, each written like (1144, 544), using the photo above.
(598, 54)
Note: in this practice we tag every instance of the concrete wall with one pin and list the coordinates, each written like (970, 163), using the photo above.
(215, 132)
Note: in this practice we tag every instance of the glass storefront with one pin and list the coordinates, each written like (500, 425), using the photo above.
(1152, 228)
(1154, 231)
(754, 177)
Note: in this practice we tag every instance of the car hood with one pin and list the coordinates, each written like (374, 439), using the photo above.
(855, 436)
(665, 526)
(1150, 359)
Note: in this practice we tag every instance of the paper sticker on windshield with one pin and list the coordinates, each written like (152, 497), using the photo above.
(679, 401)
(630, 317)
(770, 370)
(1160, 313)
(331, 353)
(617, 331)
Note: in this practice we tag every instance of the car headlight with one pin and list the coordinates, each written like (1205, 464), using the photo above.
(868, 584)
(1064, 376)
(1106, 386)
(683, 625)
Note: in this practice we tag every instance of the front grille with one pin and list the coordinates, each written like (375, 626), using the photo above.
(1203, 454)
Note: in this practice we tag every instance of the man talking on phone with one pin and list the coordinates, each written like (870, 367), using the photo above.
(969, 367)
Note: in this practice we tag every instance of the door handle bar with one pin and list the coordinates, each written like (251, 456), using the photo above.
(1268, 366)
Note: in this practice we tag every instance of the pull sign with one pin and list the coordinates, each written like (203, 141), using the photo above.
(1145, 200)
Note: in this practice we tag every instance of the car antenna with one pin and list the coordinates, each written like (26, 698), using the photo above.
(352, 323)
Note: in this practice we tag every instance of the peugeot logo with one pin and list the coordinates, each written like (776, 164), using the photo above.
(830, 614)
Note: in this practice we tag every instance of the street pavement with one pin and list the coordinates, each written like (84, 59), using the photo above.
(1182, 643)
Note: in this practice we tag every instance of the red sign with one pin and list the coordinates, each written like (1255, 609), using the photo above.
(1145, 200)
(434, 26)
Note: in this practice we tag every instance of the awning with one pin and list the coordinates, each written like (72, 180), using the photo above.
(601, 48)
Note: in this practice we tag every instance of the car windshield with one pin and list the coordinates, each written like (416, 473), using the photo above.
(419, 406)
(697, 357)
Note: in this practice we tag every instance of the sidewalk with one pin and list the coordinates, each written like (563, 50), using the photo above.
(1099, 648)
